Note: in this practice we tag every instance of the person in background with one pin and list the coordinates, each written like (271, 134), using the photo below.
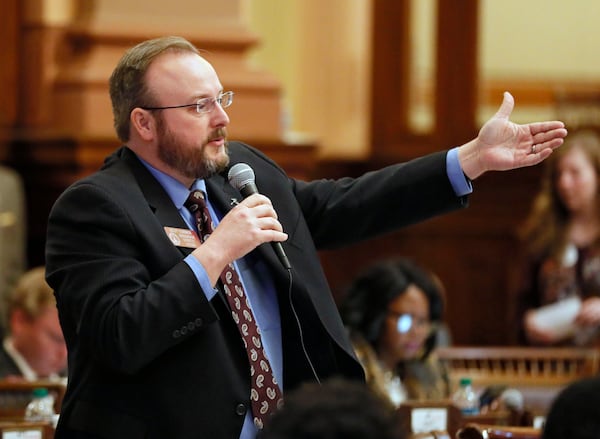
(12, 236)
(392, 311)
(34, 347)
(335, 409)
(574, 414)
(167, 297)
(561, 243)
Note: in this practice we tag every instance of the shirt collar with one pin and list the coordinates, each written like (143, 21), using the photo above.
(24, 367)
(174, 188)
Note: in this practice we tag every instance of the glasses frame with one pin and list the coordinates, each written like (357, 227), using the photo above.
(207, 104)
(414, 323)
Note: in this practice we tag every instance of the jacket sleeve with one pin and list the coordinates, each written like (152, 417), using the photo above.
(124, 294)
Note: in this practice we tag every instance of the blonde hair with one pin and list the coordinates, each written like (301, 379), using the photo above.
(32, 294)
(545, 229)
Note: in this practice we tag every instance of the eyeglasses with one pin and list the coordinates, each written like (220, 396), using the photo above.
(406, 322)
(204, 105)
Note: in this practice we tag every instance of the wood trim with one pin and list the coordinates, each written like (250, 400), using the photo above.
(390, 74)
(456, 70)
(9, 60)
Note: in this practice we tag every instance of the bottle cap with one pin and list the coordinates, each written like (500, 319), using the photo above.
(40, 392)
(465, 381)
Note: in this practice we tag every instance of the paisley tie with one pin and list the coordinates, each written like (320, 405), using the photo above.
(265, 394)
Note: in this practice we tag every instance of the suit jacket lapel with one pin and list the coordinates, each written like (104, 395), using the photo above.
(158, 200)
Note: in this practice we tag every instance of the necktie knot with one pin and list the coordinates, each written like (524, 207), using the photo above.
(195, 200)
(196, 204)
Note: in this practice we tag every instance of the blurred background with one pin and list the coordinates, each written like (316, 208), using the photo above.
(328, 89)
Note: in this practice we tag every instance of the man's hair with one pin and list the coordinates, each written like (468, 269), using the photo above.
(337, 409)
(127, 83)
(32, 294)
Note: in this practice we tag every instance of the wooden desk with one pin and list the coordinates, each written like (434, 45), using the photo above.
(29, 430)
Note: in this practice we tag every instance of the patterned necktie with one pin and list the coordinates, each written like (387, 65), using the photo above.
(265, 394)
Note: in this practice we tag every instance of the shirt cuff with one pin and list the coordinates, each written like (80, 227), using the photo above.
(201, 276)
(460, 182)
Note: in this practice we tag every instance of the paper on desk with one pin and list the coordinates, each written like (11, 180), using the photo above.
(558, 317)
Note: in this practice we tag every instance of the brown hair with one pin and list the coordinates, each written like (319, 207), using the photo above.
(32, 294)
(545, 229)
(127, 83)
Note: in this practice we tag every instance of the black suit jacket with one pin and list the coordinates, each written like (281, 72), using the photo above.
(149, 356)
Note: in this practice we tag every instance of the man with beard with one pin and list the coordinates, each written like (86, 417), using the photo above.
(155, 350)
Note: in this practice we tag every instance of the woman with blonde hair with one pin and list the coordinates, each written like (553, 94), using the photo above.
(561, 237)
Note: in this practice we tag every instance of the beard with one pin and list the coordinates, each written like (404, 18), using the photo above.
(189, 160)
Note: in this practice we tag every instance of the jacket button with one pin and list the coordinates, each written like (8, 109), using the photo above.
(183, 330)
(191, 326)
(240, 409)
(176, 333)
(198, 322)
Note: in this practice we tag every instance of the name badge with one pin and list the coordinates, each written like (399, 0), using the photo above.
(183, 237)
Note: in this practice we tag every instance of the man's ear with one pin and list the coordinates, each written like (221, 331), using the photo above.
(18, 320)
(144, 123)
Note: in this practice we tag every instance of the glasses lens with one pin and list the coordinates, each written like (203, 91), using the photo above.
(404, 323)
(226, 99)
(204, 105)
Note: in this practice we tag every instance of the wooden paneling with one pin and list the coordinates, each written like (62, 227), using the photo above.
(9, 57)
(472, 251)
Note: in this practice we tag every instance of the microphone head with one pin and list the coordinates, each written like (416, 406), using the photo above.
(512, 399)
(240, 175)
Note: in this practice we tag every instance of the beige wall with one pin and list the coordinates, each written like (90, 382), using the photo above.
(320, 51)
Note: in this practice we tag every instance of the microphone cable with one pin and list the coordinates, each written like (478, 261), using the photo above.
(300, 332)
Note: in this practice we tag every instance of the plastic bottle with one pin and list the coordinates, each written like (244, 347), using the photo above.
(465, 398)
(41, 406)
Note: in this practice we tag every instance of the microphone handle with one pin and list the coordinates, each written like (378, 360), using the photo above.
(251, 189)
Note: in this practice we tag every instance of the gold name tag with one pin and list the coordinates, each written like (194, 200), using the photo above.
(183, 237)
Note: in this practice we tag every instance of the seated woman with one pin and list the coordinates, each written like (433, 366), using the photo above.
(561, 246)
(393, 311)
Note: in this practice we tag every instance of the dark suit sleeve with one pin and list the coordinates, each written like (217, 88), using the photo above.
(124, 294)
(349, 210)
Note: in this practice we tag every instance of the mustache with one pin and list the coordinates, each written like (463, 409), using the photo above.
(217, 134)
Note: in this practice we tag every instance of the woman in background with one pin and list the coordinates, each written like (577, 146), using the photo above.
(393, 311)
(561, 240)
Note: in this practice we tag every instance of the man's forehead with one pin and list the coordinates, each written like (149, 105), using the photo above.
(182, 68)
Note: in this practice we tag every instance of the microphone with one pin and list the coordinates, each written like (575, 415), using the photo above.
(241, 177)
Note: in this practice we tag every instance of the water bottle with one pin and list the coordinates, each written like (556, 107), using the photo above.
(41, 406)
(465, 398)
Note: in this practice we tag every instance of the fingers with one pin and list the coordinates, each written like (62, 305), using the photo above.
(508, 103)
(554, 128)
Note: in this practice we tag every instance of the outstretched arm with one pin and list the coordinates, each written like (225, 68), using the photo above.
(502, 144)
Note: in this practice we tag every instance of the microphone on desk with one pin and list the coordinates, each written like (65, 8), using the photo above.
(241, 177)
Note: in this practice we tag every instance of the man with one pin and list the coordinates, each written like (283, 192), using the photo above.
(34, 347)
(155, 349)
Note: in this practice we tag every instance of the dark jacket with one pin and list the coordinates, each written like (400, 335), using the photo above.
(149, 356)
